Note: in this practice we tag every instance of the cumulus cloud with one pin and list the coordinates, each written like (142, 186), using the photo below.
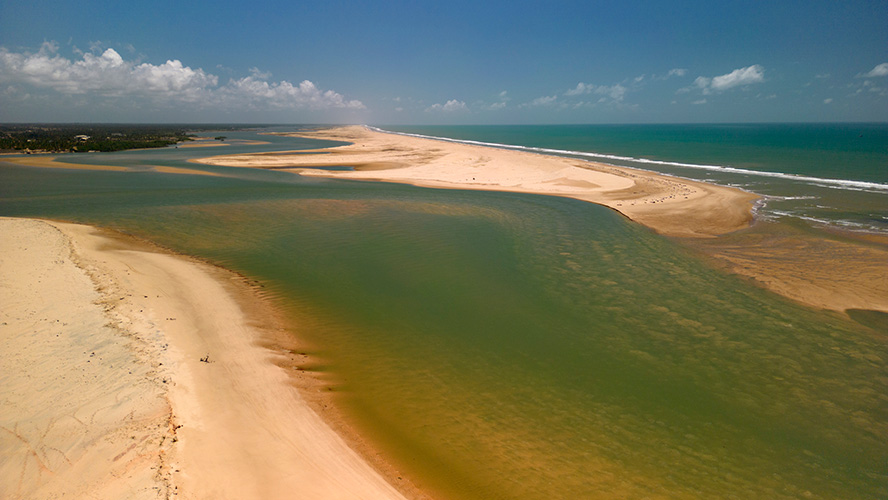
(104, 74)
(450, 106)
(580, 89)
(737, 78)
(107, 74)
(879, 70)
(674, 72)
(614, 93)
(544, 100)
(503, 99)
(283, 95)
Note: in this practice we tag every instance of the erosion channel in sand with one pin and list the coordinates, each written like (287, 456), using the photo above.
(842, 272)
(132, 373)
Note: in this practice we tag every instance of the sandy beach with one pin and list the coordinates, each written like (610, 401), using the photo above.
(132, 373)
(670, 206)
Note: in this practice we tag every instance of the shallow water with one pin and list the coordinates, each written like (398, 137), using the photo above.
(499, 345)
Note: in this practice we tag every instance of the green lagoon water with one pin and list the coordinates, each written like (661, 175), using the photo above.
(504, 346)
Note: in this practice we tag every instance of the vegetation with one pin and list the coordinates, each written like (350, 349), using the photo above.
(54, 138)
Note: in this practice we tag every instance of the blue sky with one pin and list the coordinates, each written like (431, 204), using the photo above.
(460, 62)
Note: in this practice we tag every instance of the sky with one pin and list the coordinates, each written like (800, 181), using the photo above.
(454, 62)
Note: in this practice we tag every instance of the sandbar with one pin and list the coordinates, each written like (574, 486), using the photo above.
(128, 372)
(824, 271)
(668, 205)
(53, 162)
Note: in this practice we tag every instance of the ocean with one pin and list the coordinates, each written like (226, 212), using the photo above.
(826, 174)
(513, 346)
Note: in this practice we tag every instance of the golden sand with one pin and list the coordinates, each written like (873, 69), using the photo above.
(670, 206)
(53, 162)
(131, 373)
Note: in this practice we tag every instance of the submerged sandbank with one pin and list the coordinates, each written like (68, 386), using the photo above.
(54, 162)
(133, 373)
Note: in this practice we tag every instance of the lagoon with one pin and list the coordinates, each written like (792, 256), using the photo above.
(496, 345)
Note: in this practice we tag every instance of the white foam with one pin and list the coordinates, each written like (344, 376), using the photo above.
(846, 184)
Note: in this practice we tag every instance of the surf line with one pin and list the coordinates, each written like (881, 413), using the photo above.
(846, 184)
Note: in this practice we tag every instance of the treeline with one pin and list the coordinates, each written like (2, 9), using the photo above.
(86, 137)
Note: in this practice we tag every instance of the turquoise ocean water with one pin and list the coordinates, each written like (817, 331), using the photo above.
(506, 346)
(826, 174)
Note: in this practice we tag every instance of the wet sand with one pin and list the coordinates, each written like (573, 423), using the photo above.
(54, 162)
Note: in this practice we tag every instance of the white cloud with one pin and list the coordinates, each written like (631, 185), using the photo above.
(544, 100)
(612, 92)
(827, 101)
(879, 70)
(702, 82)
(257, 73)
(615, 92)
(108, 75)
(737, 78)
(742, 76)
(701, 101)
(450, 106)
(580, 89)
(501, 104)
(283, 95)
(676, 72)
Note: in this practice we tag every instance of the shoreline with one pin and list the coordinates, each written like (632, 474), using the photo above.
(667, 205)
(171, 338)
(132, 372)
(714, 221)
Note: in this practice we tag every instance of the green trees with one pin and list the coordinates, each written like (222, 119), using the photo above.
(81, 138)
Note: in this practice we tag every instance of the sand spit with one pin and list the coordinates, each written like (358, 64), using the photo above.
(670, 206)
(130, 373)
(824, 271)
(54, 162)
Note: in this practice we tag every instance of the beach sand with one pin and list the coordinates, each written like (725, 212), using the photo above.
(53, 162)
(133, 373)
(670, 206)
(823, 271)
